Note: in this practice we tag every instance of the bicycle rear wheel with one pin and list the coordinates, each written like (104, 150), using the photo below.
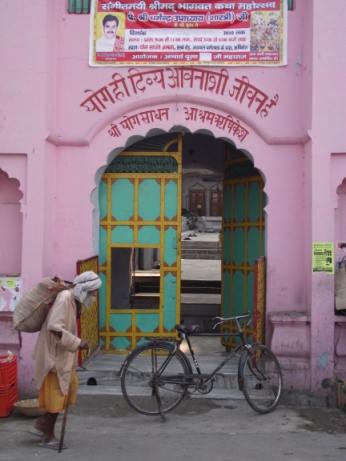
(144, 373)
(261, 379)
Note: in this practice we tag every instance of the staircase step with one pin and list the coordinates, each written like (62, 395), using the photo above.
(201, 290)
(194, 315)
(194, 243)
(208, 287)
(200, 251)
(201, 283)
(104, 370)
(199, 254)
(215, 394)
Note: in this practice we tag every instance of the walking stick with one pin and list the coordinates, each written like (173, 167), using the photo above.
(67, 404)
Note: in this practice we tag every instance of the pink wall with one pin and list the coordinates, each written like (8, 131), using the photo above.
(64, 146)
(327, 124)
(26, 114)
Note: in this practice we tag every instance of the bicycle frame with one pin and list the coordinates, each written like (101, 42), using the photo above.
(181, 380)
(169, 370)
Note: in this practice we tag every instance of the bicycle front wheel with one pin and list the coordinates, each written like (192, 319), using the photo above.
(261, 379)
(150, 369)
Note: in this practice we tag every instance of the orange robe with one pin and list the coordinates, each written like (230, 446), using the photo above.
(51, 352)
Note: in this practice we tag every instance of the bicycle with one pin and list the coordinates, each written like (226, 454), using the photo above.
(156, 376)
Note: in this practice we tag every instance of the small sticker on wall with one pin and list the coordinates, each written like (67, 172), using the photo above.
(10, 293)
(323, 257)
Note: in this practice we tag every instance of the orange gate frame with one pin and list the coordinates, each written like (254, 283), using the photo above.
(88, 323)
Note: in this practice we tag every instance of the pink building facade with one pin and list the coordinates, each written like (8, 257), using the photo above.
(53, 152)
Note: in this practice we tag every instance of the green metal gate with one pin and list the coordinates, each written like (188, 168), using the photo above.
(140, 209)
(243, 239)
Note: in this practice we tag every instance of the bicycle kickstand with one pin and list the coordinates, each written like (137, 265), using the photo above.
(158, 399)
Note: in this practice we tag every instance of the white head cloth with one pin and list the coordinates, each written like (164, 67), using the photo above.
(87, 281)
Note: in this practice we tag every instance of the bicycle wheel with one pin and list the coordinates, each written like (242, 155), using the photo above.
(261, 379)
(146, 371)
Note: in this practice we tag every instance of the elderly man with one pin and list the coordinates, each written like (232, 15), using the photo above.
(55, 351)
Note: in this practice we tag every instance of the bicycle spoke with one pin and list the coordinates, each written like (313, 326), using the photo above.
(261, 379)
(143, 379)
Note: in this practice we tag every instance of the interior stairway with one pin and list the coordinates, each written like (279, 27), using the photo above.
(194, 249)
(199, 304)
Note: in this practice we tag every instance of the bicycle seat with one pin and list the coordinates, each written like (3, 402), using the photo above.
(186, 328)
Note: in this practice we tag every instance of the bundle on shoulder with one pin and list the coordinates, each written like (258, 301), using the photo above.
(31, 311)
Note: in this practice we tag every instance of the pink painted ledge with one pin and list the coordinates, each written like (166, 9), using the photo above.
(289, 317)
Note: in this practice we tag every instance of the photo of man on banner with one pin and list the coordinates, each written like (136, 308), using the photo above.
(110, 41)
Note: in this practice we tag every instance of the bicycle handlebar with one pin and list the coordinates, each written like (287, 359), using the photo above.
(235, 319)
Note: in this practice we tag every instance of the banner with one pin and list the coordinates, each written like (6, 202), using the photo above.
(161, 33)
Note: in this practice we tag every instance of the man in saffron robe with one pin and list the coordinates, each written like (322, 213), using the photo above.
(54, 354)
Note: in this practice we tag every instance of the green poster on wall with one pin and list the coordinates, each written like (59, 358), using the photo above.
(323, 257)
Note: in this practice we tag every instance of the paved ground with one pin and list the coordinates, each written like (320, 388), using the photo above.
(201, 269)
(104, 427)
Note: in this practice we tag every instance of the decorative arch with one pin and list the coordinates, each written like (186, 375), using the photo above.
(15, 166)
(11, 225)
(338, 168)
(125, 143)
(340, 219)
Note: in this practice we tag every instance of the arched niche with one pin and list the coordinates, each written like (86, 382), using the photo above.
(340, 220)
(11, 225)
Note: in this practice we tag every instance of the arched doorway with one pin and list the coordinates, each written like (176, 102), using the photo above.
(140, 227)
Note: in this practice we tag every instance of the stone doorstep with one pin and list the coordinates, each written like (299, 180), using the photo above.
(195, 314)
(194, 255)
(200, 290)
(194, 249)
(227, 378)
(288, 398)
(198, 252)
(198, 244)
(216, 394)
(185, 254)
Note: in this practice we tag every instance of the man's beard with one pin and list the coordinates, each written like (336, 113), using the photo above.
(89, 301)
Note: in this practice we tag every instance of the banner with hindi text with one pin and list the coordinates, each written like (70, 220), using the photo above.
(160, 33)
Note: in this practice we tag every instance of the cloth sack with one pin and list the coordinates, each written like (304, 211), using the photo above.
(340, 289)
(31, 311)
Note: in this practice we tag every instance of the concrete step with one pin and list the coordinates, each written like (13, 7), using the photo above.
(201, 256)
(200, 251)
(104, 370)
(203, 320)
(148, 288)
(215, 394)
(198, 299)
(201, 290)
(195, 242)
